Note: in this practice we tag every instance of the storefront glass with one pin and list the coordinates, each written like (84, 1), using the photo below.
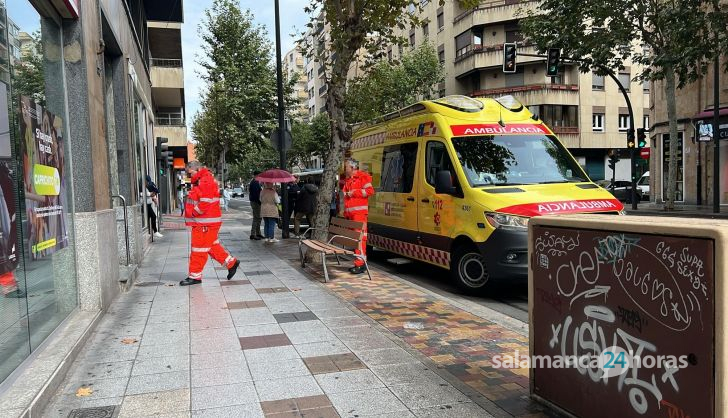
(37, 261)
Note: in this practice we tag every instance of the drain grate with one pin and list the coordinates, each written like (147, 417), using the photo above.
(96, 412)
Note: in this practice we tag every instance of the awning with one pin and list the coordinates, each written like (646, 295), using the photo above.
(708, 114)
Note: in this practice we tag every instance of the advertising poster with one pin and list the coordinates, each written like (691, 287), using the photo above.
(43, 163)
(8, 226)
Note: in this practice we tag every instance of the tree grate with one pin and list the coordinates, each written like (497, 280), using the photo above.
(95, 412)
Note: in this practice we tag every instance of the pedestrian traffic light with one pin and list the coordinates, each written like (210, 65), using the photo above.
(162, 147)
(552, 62)
(509, 57)
(630, 140)
(641, 138)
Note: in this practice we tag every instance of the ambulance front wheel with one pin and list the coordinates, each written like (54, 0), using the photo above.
(468, 269)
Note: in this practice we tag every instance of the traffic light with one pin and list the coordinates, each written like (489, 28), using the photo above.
(509, 57)
(613, 160)
(170, 159)
(552, 62)
(162, 148)
(630, 140)
(641, 138)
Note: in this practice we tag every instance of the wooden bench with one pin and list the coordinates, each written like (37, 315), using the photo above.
(344, 236)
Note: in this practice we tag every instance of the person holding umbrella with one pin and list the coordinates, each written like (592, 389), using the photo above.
(202, 213)
(269, 198)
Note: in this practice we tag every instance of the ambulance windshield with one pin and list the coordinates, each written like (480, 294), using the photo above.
(499, 160)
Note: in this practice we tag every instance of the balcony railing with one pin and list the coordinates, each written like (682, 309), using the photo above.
(323, 89)
(170, 120)
(488, 5)
(526, 88)
(166, 62)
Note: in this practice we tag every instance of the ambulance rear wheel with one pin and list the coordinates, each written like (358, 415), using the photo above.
(468, 269)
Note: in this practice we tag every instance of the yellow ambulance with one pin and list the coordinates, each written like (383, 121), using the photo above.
(458, 178)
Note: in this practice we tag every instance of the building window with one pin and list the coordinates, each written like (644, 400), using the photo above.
(625, 79)
(597, 82)
(462, 44)
(514, 36)
(426, 29)
(389, 55)
(598, 122)
(412, 39)
(401, 51)
(646, 121)
(441, 54)
(440, 20)
(623, 123)
(646, 86)
(559, 115)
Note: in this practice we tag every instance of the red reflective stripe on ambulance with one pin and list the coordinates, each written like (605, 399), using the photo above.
(496, 129)
(568, 206)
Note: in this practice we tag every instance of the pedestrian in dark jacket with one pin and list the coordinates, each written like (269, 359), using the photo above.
(254, 196)
(305, 206)
(292, 192)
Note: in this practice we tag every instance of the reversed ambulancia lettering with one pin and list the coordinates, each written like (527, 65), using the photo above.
(575, 206)
(496, 129)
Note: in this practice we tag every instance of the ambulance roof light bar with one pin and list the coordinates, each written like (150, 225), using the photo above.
(461, 103)
(511, 103)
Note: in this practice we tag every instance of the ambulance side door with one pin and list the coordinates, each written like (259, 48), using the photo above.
(436, 212)
(395, 213)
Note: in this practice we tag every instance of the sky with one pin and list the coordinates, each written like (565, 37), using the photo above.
(293, 19)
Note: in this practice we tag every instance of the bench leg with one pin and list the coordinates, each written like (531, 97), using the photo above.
(326, 271)
(337, 259)
(300, 253)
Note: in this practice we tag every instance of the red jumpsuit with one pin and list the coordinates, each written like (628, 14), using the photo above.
(202, 213)
(357, 190)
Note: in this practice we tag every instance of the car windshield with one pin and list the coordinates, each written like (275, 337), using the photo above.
(645, 180)
(500, 160)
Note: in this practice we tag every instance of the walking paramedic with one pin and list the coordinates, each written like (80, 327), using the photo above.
(202, 213)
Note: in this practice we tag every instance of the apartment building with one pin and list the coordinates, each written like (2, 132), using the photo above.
(695, 151)
(294, 67)
(587, 112)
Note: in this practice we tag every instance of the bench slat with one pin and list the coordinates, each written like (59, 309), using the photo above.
(346, 242)
(346, 223)
(349, 233)
(325, 248)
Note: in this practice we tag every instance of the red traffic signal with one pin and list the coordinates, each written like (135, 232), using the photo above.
(509, 57)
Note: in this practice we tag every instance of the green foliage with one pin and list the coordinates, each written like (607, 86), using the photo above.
(239, 106)
(309, 140)
(677, 35)
(27, 75)
(390, 86)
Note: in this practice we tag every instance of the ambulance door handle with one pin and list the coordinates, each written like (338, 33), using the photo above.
(411, 199)
(425, 200)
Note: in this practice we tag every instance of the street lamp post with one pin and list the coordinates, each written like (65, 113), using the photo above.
(281, 121)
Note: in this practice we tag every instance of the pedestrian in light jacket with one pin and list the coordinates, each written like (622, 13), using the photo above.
(269, 210)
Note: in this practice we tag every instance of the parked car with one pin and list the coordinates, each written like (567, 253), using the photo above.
(621, 190)
(238, 192)
(644, 185)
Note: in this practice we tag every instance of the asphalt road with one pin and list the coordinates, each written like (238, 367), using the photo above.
(508, 298)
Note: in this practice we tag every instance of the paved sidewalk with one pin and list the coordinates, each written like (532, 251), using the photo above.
(272, 342)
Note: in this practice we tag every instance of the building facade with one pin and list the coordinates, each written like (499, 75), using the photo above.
(587, 112)
(695, 153)
(77, 128)
(294, 68)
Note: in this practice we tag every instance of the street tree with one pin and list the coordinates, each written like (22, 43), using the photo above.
(28, 73)
(238, 107)
(309, 140)
(356, 29)
(389, 86)
(671, 40)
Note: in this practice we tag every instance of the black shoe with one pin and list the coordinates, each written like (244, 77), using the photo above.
(15, 294)
(255, 237)
(357, 270)
(232, 270)
(188, 281)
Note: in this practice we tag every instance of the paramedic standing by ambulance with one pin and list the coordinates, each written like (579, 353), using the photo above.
(357, 191)
(202, 213)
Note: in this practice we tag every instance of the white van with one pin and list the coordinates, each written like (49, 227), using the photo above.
(644, 185)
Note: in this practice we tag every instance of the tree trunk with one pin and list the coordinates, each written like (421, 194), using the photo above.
(340, 138)
(671, 116)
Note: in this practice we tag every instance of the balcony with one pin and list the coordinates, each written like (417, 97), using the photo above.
(534, 94)
(483, 57)
(170, 119)
(490, 12)
(177, 135)
(322, 89)
(166, 62)
(167, 73)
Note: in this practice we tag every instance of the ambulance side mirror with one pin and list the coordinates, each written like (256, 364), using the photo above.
(443, 183)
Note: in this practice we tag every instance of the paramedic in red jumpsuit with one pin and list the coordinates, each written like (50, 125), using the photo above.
(357, 191)
(202, 213)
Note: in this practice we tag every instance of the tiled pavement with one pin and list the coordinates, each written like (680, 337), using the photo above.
(274, 342)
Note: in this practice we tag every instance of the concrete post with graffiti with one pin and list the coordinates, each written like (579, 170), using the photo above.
(625, 315)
